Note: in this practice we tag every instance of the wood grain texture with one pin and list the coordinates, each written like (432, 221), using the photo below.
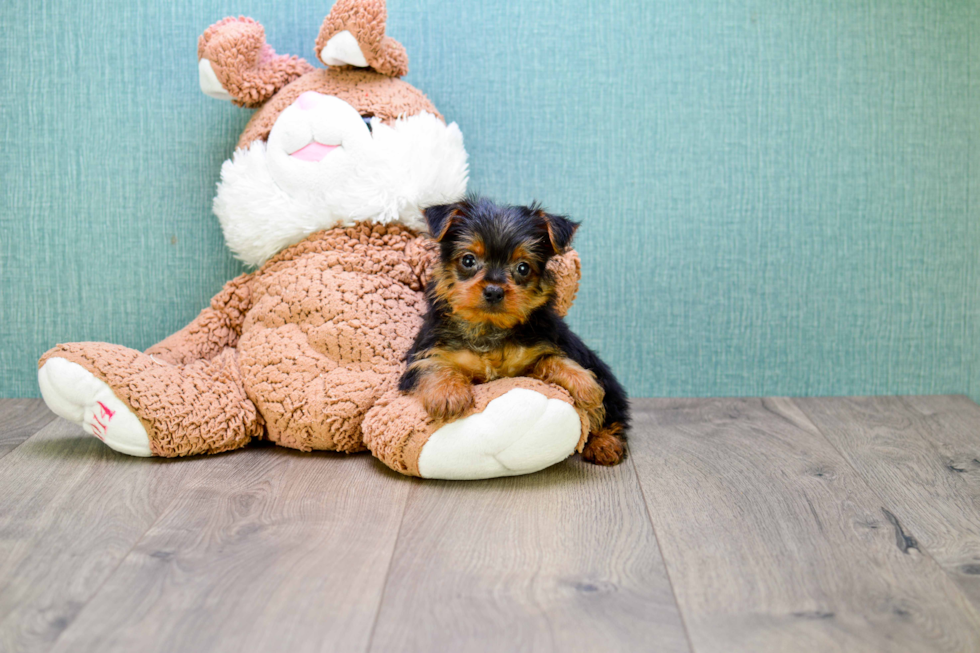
(854, 530)
(774, 543)
(921, 455)
(70, 511)
(562, 560)
(267, 550)
(19, 420)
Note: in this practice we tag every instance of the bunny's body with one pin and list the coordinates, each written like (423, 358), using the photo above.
(324, 196)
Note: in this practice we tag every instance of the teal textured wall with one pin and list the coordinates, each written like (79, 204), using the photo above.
(779, 197)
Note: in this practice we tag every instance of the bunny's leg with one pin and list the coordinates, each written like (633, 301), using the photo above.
(517, 426)
(308, 399)
(141, 406)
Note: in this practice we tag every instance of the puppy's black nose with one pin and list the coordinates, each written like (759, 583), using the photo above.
(493, 294)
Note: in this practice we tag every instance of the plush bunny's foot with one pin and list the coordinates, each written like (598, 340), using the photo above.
(74, 393)
(519, 432)
(517, 426)
(142, 406)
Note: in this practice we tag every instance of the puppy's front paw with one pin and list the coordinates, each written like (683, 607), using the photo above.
(446, 398)
(580, 383)
(448, 407)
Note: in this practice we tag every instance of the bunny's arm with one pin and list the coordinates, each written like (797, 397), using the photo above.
(215, 328)
(567, 269)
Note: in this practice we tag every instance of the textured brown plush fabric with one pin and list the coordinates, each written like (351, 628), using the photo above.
(256, 77)
(372, 94)
(309, 341)
(196, 408)
(331, 321)
(306, 351)
(567, 269)
(397, 427)
(247, 67)
(298, 351)
(365, 19)
(216, 327)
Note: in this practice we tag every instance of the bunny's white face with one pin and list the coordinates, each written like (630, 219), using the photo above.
(326, 166)
(315, 125)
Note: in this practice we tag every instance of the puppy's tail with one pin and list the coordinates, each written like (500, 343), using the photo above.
(606, 446)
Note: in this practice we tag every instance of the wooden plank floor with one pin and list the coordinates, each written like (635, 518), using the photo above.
(735, 525)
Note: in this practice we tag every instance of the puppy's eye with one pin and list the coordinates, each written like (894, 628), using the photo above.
(367, 121)
(468, 261)
(523, 269)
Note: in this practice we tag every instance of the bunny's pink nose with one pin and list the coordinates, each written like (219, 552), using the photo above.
(308, 100)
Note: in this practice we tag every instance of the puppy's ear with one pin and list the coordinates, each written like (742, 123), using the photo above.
(560, 229)
(440, 218)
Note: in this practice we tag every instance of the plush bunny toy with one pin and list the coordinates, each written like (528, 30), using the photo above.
(324, 196)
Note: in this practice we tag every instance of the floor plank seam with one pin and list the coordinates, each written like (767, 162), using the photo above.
(6, 453)
(897, 495)
(660, 550)
(51, 418)
(391, 559)
(843, 456)
(122, 559)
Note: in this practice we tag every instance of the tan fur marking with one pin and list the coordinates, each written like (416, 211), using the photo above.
(476, 246)
(521, 253)
(465, 297)
(605, 447)
(444, 392)
(579, 382)
(505, 362)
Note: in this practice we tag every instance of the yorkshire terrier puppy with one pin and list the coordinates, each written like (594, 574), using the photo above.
(491, 315)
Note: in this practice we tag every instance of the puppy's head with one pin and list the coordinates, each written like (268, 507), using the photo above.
(493, 258)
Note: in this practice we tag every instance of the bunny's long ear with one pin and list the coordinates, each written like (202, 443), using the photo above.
(354, 35)
(235, 63)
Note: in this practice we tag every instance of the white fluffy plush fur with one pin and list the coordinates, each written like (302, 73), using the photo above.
(268, 200)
